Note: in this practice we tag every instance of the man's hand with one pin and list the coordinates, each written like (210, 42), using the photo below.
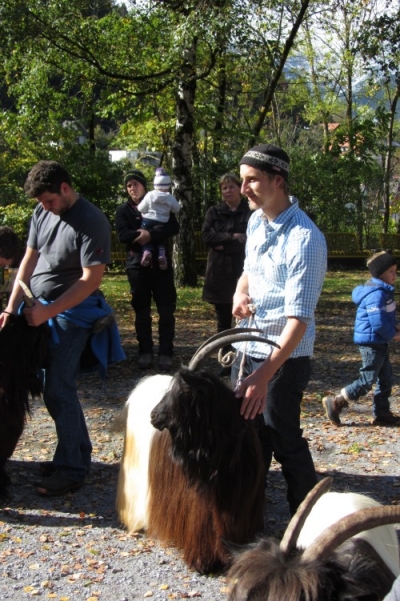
(37, 314)
(4, 317)
(253, 390)
(241, 302)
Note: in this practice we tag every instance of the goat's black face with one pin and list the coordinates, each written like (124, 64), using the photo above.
(193, 400)
(184, 405)
(160, 417)
(200, 412)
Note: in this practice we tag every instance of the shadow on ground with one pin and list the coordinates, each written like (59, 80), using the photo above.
(93, 504)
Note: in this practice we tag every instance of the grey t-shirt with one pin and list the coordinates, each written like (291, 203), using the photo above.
(78, 238)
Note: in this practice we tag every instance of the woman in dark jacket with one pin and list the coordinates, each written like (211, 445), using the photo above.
(224, 231)
(147, 282)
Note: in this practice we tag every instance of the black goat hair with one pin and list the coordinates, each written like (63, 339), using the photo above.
(208, 433)
(23, 352)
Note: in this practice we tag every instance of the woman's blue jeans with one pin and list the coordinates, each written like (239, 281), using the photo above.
(73, 451)
(283, 437)
(376, 368)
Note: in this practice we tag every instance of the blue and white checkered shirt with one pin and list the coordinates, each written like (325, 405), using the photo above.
(285, 263)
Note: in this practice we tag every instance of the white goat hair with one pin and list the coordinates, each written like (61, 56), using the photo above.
(133, 477)
(338, 546)
(333, 506)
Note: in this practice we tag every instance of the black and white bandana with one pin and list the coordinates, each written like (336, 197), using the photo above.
(267, 157)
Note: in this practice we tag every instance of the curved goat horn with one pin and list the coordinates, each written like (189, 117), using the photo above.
(349, 526)
(206, 349)
(223, 334)
(293, 530)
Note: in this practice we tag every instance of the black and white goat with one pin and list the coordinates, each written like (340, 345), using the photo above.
(192, 470)
(338, 546)
(23, 351)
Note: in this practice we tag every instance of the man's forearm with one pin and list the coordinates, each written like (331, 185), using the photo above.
(242, 287)
(84, 287)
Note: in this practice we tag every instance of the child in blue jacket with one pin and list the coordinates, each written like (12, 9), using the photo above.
(375, 327)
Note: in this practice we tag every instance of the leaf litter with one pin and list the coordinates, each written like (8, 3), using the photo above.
(73, 548)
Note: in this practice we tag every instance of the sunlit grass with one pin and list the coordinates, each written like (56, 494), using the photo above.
(338, 287)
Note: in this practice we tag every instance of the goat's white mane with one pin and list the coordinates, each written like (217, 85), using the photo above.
(133, 495)
(332, 506)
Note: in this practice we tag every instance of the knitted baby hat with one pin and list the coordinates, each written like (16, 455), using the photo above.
(380, 262)
(268, 157)
(161, 179)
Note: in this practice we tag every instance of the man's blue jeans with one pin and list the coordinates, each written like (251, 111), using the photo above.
(73, 452)
(376, 368)
(282, 437)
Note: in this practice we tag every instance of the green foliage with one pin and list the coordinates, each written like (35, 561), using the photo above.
(73, 65)
(94, 176)
(17, 216)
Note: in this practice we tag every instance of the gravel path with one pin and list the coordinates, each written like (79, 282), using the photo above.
(73, 548)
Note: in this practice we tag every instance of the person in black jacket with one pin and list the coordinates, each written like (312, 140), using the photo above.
(148, 283)
(224, 231)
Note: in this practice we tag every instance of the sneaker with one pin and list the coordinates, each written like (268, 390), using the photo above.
(162, 262)
(333, 406)
(387, 419)
(164, 362)
(146, 259)
(145, 360)
(57, 484)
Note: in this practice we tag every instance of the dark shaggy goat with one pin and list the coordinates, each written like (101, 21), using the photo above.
(196, 473)
(23, 351)
(321, 559)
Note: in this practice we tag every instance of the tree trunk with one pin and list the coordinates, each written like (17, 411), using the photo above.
(273, 83)
(217, 136)
(388, 161)
(182, 148)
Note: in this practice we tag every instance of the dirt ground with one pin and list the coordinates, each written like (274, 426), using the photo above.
(74, 548)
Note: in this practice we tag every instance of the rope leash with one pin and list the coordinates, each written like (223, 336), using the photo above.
(252, 308)
(228, 359)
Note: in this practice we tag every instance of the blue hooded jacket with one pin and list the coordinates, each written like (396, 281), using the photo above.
(376, 312)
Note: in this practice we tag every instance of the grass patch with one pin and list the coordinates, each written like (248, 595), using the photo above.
(355, 448)
(338, 286)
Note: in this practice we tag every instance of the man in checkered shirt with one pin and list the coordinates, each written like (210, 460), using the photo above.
(284, 269)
